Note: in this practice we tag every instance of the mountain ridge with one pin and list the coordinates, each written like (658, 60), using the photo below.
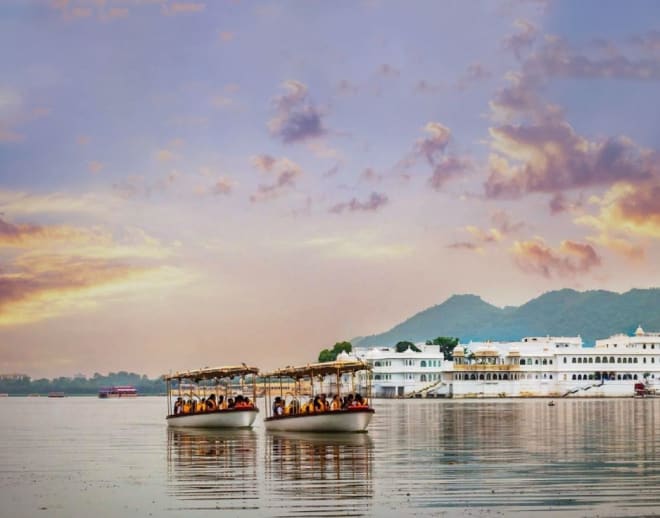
(592, 314)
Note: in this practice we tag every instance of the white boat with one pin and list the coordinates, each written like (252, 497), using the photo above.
(227, 418)
(350, 418)
(211, 398)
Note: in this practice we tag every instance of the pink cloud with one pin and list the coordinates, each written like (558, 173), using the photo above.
(373, 203)
(569, 259)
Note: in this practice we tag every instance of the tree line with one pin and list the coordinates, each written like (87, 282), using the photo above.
(446, 344)
(25, 385)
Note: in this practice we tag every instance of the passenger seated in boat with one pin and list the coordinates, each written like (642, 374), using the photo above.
(187, 407)
(325, 405)
(276, 405)
(348, 401)
(201, 405)
(243, 402)
(336, 403)
(178, 406)
(358, 402)
(211, 404)
(230, 403)
(222, 404)
(292, 408)
(307, 407)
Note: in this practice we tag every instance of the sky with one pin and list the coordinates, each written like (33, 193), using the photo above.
(202, 183)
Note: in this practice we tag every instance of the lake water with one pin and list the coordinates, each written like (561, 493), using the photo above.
(95, 458)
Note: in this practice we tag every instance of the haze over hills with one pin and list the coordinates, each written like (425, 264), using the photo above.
(590, 314)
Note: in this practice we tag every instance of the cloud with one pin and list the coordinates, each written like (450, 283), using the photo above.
(475, 73)
(94, 166)
(523, 39)
(569, 259)
(346, 87)
(296, 119)
(551, 157)
(373, 203)
(26, 235)
(39, 288)
(502, 228)
(22, 203)
(388, 71)
(175, 8)
(264, 163)
(223, 186)
(431, 148)
(15, 113)
(222, 101)
(649, 41)
(332, 171)
(465, 245)
(286, 173)
(558, 59)
(448, 168)
(503, 223)
(370, 176)
(427, 87)
(50, 270)
(169, 153)
(226, 36)
(628, 209)
(560, 203)
(435, 143)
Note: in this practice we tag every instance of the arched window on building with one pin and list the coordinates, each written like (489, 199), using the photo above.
(422, 363)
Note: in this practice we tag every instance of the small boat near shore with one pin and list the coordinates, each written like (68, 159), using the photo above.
(309, 410)
(212, 398)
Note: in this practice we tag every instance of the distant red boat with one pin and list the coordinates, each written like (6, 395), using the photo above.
(118, 392)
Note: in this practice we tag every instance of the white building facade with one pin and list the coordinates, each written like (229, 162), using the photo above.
(406, 373)
(533, 367)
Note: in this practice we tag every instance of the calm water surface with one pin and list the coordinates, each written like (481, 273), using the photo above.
(91, 457)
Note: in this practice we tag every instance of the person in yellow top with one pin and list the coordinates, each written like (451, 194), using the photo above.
(187, 407)
(211, 404)
(336, 403)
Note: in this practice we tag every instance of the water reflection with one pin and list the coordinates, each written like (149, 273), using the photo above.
(577, 457)
(213, 469)
(319, 473)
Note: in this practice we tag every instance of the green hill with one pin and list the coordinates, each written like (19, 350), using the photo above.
(590, 314)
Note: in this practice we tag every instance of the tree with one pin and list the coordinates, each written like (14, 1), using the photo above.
(330, 355)
(403, 346)
(446, 344)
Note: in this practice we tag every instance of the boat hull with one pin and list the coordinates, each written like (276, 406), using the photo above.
(231, 418)
(338, 421)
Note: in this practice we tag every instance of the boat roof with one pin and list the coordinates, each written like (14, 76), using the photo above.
(320, 369)
(210, 373)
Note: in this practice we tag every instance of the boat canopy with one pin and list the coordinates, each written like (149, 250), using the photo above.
(208, 373)
(319, 369)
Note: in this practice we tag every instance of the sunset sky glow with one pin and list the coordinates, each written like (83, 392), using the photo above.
(188, 183)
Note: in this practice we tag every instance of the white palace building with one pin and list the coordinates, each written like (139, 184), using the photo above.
(532, 367)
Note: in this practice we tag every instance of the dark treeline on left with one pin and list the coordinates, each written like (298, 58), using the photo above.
(24, 385)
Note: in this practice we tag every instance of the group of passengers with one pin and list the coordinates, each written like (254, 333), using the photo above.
(320, 403)
(210, 404)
